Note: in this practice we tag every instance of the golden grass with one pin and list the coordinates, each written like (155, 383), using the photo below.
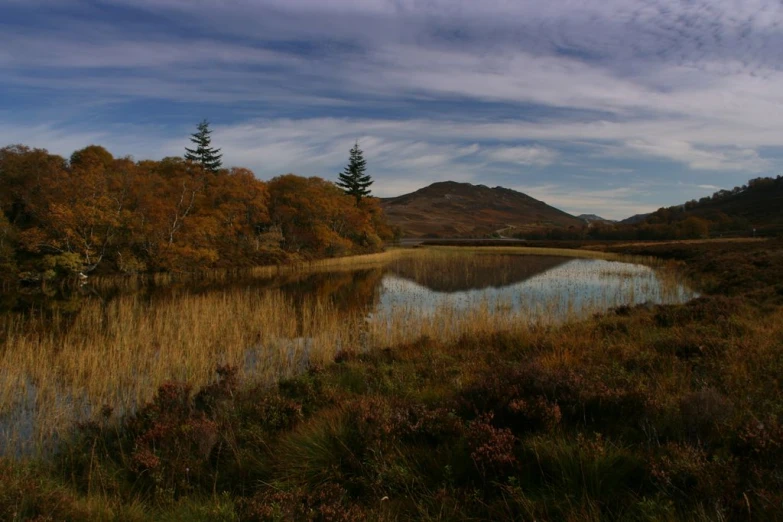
(683, 242)
(137, 281)
(62, 369)
(515, 250)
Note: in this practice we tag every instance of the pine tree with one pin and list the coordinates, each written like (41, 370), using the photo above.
(203, 153)
(353, 179)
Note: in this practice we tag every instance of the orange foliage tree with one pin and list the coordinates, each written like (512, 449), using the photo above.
(97, 212)
(318, 218)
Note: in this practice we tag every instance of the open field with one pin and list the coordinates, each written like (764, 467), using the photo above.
(648, 413)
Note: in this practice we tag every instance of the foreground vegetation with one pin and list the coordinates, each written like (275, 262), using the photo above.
(646, 413)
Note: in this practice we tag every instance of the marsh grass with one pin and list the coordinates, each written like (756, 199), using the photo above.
(163, 279)
(59, 368)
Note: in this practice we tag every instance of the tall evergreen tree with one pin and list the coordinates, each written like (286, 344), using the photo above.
(209, 158)
(353, 179)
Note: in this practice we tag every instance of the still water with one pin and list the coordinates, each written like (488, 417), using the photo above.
(534, 288)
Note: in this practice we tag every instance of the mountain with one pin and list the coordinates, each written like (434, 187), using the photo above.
(592, 218)
(451, 209)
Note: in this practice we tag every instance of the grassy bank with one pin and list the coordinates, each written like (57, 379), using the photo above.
(647, 413)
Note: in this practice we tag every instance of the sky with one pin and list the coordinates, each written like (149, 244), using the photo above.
(611, 107)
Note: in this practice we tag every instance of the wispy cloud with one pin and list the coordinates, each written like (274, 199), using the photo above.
(533, 155)
(614, 203)
(526, 93)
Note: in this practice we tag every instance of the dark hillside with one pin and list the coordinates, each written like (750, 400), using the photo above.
(451, 209)
(759, 204)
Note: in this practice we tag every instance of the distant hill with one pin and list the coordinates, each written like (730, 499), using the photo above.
(752, 209)
(451, 209)
(760, 203)
(592, 218)
(635, 219)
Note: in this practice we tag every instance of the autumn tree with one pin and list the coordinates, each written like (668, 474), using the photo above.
(172, 232)
(316, 217)
(353, 179)
(694, 227)
(239, 203)
(204, 153)
(95, 211)
(24, 176)
(8, 267)
(76, 212)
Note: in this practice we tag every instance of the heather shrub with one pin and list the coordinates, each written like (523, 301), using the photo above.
(491, 448)
(325, 503)
(171, 442)
(689, 475)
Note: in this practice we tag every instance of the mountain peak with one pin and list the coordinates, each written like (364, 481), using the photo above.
(458, 209)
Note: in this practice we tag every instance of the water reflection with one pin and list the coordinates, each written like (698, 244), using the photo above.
(537, 288)
(553, 286)
(462, 273)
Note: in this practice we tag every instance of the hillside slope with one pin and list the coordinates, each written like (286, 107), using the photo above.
(592, 218)
(451, 209)
(759, 204)
(635, 219)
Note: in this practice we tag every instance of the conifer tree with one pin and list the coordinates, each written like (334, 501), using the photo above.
(353, 179)
(209, 158)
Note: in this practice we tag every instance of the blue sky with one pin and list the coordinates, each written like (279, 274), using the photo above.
(613, 107)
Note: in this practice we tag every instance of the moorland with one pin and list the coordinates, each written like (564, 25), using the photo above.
(652, 412)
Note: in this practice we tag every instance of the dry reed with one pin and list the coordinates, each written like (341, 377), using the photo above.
(62, 369)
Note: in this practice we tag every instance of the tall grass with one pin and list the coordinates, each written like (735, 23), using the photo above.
(63, 368)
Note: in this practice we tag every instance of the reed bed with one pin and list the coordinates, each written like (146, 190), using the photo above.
(162, 279)
(60, 369)
(118, 354)
(419, 254)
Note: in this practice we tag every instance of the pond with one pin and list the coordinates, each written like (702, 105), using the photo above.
(64, 358)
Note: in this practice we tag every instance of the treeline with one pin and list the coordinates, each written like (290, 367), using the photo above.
(753, 185)
(689, 228)
(752, 209)
(97, 213)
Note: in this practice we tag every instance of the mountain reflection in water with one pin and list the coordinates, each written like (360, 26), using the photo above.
(547, 288)
(459, 274)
